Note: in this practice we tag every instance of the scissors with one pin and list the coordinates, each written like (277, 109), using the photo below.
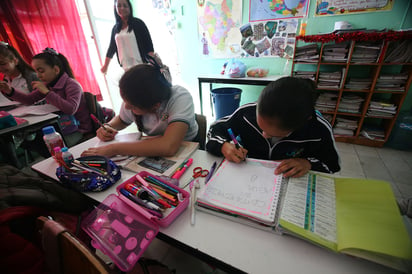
(197, 172)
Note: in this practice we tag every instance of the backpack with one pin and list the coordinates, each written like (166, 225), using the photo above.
(103, 114)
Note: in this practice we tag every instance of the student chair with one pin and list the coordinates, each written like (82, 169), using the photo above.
(201, 135)
(93, 106)
(65, 253)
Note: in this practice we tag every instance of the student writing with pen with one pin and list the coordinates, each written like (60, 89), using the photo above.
(164, 112)
(283, 126)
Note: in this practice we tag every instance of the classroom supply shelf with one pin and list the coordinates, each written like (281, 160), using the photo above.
(362, 79)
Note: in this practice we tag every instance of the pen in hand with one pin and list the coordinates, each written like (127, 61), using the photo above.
(97, 121)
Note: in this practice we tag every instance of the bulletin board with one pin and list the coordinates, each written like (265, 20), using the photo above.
(343, 7)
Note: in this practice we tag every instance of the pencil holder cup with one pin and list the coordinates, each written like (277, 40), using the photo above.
(89, 174)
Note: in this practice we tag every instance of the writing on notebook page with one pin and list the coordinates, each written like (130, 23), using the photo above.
(249, 188)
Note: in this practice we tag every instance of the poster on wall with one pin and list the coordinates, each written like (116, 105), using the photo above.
(263, 10)
(218, 25)
(269, 39)
(342, 7)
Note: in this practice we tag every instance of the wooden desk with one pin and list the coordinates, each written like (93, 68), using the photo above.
(35, 123)
(224, 79)
(235, 247)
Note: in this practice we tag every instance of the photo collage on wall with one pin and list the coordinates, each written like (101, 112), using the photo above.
(269, 38)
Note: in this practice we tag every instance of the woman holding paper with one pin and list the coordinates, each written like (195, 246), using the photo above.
(158, 109)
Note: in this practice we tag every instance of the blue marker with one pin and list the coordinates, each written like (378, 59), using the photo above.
(229, 130)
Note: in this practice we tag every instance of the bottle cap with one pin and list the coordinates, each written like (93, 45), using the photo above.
(48, 130)
(64, 149)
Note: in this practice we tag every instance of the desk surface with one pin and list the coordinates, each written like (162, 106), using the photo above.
(32, 120)
(243, 247)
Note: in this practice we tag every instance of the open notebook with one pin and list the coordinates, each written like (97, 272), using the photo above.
(359, 217)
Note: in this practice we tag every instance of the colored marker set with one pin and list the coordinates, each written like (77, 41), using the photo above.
(153, 197)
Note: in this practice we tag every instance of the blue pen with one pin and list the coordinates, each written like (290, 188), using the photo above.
(211, 170)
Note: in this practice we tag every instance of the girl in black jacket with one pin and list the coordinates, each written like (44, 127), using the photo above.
(281, 126)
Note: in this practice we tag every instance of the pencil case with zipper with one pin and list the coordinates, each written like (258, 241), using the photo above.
(89, 178)
(123, 229)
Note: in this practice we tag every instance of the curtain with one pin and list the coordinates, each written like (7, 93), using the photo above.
(55, 24)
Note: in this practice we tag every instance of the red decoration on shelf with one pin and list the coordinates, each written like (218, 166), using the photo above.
(357, 36)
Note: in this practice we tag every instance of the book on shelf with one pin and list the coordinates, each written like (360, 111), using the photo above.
(354, 216)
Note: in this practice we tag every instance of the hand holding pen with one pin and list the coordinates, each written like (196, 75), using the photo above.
(105, 132)
(234, 152)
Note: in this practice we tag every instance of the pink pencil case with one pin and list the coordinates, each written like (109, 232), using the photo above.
(123, 230)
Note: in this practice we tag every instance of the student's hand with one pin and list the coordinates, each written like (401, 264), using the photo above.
(5, 88)
(295, 167)
(40, 86)
(103, 151)
(233, 154)
(107, 134)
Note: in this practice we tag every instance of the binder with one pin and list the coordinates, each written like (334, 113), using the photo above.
(359, 217)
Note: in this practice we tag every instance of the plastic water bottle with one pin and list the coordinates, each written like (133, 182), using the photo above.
(67, 156)
(52, 139)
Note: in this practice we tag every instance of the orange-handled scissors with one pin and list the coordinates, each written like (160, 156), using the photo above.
(197, 172)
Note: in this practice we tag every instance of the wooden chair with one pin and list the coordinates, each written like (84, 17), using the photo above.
(65, 253)
(201, 135)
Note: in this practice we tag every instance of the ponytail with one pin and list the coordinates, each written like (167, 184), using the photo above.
(53, 58)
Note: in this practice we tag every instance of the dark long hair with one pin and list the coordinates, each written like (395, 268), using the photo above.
(144, 86)
(288, 99)
(7, 51)
(53, 58)
(119, 20)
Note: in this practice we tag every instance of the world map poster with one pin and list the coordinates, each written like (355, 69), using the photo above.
(262, 10)
(218, 24)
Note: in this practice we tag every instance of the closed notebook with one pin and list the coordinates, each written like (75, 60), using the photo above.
(354, 216)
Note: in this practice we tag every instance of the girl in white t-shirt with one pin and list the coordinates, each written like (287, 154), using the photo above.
(158, 109)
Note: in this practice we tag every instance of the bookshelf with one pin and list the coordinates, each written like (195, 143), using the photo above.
(362, 78)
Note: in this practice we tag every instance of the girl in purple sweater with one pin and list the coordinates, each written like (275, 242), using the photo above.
(58, 87)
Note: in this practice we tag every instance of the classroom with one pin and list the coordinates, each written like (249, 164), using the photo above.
(191, 169)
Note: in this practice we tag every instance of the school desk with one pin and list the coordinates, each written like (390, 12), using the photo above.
(35, 122)
(224, 79)
(231, 246)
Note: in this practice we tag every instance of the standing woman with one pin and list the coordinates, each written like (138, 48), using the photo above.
(130, 38)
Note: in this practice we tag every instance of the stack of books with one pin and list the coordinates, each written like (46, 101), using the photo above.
(366, 52)
(308, 53)
(326, 102)
(350, 104)
(373, 132)
(336, 52)
(399, 52)
(305, 74)
(392, 81)
(381, 109)
(345, 127)
(331, 80)
(358, 83)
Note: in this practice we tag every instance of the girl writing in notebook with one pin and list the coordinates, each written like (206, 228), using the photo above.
(158, 109)
(58, 87)
(283, 126)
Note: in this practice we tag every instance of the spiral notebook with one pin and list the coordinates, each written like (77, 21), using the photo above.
(249, 189)
(354, 216)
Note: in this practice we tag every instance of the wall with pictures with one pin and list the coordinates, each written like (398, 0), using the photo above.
(193, 63)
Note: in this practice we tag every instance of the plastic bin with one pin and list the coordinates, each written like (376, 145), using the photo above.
(401, 135)
(225, 101)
